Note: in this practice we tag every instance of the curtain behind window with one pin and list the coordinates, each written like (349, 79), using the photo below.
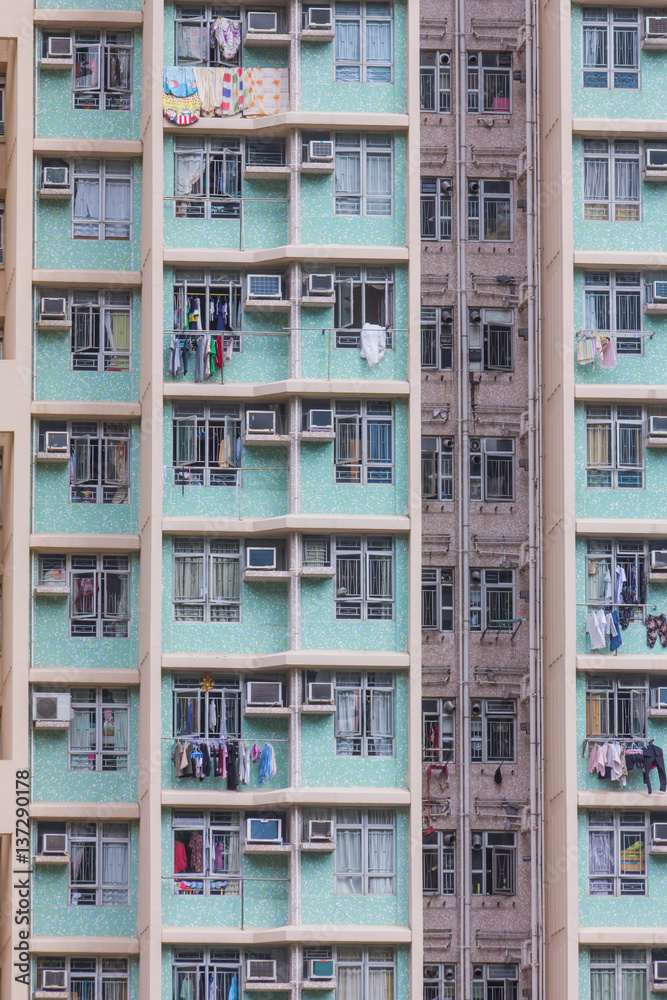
(595, 47)
(596, 180)
(378, 41)
(626, 174)
(350, 985)
(603, 984)
(381, 984)
(347, 41)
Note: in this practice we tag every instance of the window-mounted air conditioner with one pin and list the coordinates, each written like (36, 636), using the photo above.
(659, 833)
(660, 291)
(264, 286)
(261, 421)
(320, 420)
(59, 48)
(54, 979)
(260, 557)
(264, 831)
(51, 308)
(660, 972)
(655, 26)
(657, 426)
(320, 284)
(51, 706)
(320, 829)
(321, 150)
(319, 17)
(54, 843)
(659, 560)
(264, 22)
(656, 159)
(320, 968)
(264, 693)
(320, 693)
(659, 700)
(55, 177)
(56, 442)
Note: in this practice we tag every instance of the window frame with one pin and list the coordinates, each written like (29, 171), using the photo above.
(629, 553)
(101, 706)
(104, 174)
(94, 971)
(211, 284)
(363, 146)
(362, 550)
(437, 338)
(485, 729)
(610, 155)
(95, 886)
(615, 423)
(220, 158)
(228, 605)
(92, 447)
(365, 828)
(497, 977)
(436, 216)
(435, 712)
(609, 25)
(478, 76)
(206, 432)
(375, 432)
(434, 849)
(231, 967)
(211, 824)
(479, 608)
(486, 864)
(617, 961)
(105, 49)
(610, 822)
(491, 340)
(615, 286)
(98, 621)
(2, 106)
(363, 65)
(479, 211)
(208, 14)
(612, 697)
(92, 312)
(361, 740)
(437, 72)
(353, 288)
(225, 690)
(438, 599)
(481, 478)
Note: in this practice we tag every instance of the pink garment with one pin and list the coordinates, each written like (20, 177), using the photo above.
(608, 353)
(229, 347)
(602, 759)
(223, 755)
(593, 758)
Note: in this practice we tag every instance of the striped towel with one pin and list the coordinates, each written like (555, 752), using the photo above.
(232, 91)
(586, 350)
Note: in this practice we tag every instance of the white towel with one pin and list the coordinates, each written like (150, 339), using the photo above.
(373, 343)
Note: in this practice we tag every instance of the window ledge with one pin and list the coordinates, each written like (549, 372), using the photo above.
(317, 35)
(266, 305)
(51, 590)
(265, 39)
(327, 167)
(56, 194)
(318, 572)
(259, 710)
(318, 436)
(324, 847)
(51, 994)
(654, 43)
(56, 64)
(51, 456)
(262, 172)
(54, 325)
(655, 308)
(654, 175)
(656, 442)
(51, 724)
(657, 713)
(51, 859)
(267, 849)
(322, 301)
(267, 987)
(266, 575)
(264, 439)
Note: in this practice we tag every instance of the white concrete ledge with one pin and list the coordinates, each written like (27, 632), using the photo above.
(104, 409)
(326, 523)
(325, 658)
(73, 277)
(96, 147)
(627, 937)
(112, 811)
(292, 796)
(287, 254)
(625, 393)
(288, 387)
(89, 18)
(71, 945)
(89, 676)
(290, 934)
(656, 128)
(71, 542)
(287, 120)
(639, 663)
(645, 259)
(610, 526)
(622, 799)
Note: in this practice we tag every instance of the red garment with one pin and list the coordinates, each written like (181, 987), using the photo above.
(218, 352)
(180, 857)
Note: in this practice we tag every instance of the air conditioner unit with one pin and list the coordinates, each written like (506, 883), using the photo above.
(659, 560)
(659, 697)
(657, 426)
(264, 693)
(54, 843)
(656, 159)
(321, 149)
(321, 284)
(56, 442)
(260, 557)
(53, 308)
(320, 829)
(59, 48)
(264, 21)
(659, 833)
(654, 26)
(264, 286)
(320, 693)
(320, 968)
(54, 979)
(53, 177)
(260, 970)
(319, 17)
(261, 421)
(660, 291)
(320, 420)
(51, 707)
(264, 831)
(660, 972)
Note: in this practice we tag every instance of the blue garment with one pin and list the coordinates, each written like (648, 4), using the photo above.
(179, 81)
(233, 993)
(615, 640)
(265, 764)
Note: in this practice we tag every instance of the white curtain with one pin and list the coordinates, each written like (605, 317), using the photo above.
(627, 180)
(114, 989)
(379, 576)
(601, 852)
(379, 442)
(633, 984)
(597, 311)
(82, 730)
(378, 174)
(348, 173)
(382, 713)
(347, 41)
(350, 984)
(86, 198)
(378, 41)
(596, 180)
(189, 171)
(381, 860)
(117, 207)
(114, 864)
(348, 859)
(114, 729)
(380, 984)
(224, 579)
(189, 578)
(603, 984)
(595, 47)
(348, 713)
(625, 48)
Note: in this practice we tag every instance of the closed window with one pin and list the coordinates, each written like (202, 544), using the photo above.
(99, 589)
(613, 302)
(364, 577)
(363, 175)
(206, 444)
(495, 982)
(207, 579)
(490, 82)
(612, 183)
(206, 711)
(616, 706)
(437, 336)
(363, 295)
(364, 442)
(614, 445)
(437, 599)
(206, 853)
(89, 978)
(102, 202)
(616, 853)
(490, 210)
(493, 864)
(99, 868)
(493, 730)
(435, 81)
(207, 178)
(365, 855)
(99, 729)
(610, 47)
(437, 730)
(439, 982)
(195, 40)
(618, 974)
(616, 573)
(490, 340)
(436, 208)
(438, 863)
(103, 70)
(363, 46)
(365, 722)
(492, 600)
(491, 469)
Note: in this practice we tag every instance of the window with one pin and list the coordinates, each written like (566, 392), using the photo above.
(437, 599)
(492, 730)
(364, 442)
(363, 174)
(612, 186)
(495, 982)
(195, 969)
(614, 446)
(363, 48)
(99, 592)
(435, 81)
(207, 178)
(208, 301)
(491, 469)
(616, 853)
(101, 329)
(364, 577)
(490, 82)
(436, 208)
(438, 863)
(102, 202)
(365, 852)
(493, 864)
(491, 600)
(99, 866)
(613, 301)
(366, 973)
(206, 853)
(610, 47)
(206, 712)
(265, 152)
(196, 43)
(103, 70)
(99, 729)
(438, 730)
(490, 210)
(365, 721)
(616, 706)
(207, 580)
(100, 459)
(2, 107)
(206, 444)
(616, 567)
(490, 340)
(89, 978)
(618, 973)
(437, 326)
(363, 295)
(316, 550)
